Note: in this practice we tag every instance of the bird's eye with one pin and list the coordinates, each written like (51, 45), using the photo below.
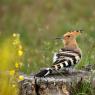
(68, 36)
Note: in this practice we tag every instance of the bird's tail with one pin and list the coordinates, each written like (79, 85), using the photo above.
(44, 72)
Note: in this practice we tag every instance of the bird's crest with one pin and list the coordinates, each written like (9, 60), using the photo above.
(74, 33)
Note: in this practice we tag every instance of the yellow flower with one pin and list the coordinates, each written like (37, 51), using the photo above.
(21, 77)
(17, 65)
(13, 85)
(20, 52)
(14, 34)
(12, 72)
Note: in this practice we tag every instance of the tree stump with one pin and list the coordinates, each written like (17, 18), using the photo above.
(56, 84)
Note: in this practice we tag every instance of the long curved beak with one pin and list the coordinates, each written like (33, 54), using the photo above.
(59, 38)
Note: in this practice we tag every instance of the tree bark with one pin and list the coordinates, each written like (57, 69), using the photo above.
(56, 84)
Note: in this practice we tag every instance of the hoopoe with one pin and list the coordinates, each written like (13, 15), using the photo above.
(67, 56)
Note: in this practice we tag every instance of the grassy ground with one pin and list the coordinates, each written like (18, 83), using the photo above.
(39, 21)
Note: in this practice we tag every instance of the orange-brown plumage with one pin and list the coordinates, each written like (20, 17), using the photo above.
(69, 39)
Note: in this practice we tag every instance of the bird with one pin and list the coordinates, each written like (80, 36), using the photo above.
(66, 57)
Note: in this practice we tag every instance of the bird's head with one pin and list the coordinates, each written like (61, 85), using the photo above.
(70, 37)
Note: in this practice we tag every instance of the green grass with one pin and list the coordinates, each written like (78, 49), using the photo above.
(40, 21)
(84, 88)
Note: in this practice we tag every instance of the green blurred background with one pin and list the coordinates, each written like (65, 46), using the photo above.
(40, 21)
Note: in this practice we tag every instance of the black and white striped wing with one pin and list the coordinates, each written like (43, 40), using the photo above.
(55, 57)
(66, 58)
